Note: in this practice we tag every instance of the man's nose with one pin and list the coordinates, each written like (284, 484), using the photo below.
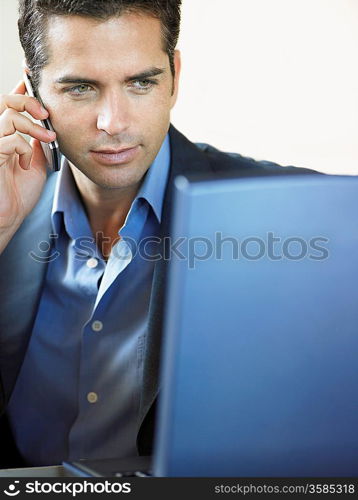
(113, 115)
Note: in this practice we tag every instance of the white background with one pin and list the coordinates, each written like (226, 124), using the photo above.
(271, 79)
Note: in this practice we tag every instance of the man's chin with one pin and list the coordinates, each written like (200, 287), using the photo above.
(108, 178)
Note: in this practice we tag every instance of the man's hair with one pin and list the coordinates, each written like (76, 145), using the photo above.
(34, 14)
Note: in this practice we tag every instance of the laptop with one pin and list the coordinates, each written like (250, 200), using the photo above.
(259, 371)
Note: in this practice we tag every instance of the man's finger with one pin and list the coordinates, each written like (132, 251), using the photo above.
(22, 103)
(20, 88)
(11, 122)
(15, 144)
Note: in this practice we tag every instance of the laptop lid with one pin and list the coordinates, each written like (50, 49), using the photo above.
(260, 373)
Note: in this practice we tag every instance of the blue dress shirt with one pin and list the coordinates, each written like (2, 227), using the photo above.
(77, 394)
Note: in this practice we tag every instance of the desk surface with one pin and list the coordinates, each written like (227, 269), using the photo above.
(54, 471)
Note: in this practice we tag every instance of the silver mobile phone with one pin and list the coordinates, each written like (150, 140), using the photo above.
(51, 150)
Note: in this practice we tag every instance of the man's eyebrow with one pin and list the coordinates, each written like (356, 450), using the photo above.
(75, 79)
(149, 73)
(146, 74)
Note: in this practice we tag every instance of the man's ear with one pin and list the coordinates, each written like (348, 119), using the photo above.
(177, 67)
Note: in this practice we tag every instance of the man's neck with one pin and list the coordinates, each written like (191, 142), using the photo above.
(106, 210)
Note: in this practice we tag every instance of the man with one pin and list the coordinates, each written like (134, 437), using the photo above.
(80, 325)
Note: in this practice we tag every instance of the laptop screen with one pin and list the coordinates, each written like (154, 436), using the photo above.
(260, 374)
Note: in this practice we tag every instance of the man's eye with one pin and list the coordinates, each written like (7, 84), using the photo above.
(81, 89)
(143, 84)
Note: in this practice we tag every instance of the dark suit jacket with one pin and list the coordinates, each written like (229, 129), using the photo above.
(22, 279)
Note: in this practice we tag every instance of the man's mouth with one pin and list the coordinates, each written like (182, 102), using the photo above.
(108, 156)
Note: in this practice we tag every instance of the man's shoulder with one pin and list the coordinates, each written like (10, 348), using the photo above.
(237, 164)
(206, 159)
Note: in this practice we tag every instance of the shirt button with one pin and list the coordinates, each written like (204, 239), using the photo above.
(97, 326)
(92, 397)
(92, 263)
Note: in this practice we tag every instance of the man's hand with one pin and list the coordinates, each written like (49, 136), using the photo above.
(22, 165)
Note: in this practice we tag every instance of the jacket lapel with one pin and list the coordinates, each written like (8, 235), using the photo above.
(185, 157)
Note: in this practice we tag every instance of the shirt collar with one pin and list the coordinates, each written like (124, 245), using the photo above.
(153, 187)
(67, 207)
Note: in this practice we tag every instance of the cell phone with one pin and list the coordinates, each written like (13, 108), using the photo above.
(51, 150)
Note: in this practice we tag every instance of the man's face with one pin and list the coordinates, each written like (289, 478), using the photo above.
(108, 87)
